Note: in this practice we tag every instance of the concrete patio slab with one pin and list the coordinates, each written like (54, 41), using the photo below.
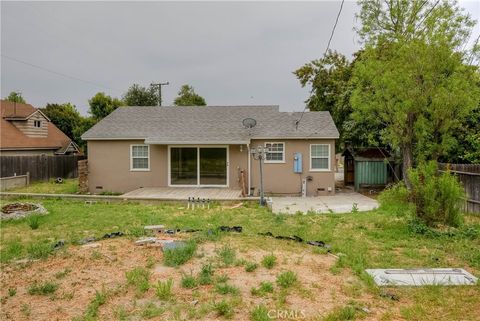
(421, 277)
(183, 193)
(339, 203)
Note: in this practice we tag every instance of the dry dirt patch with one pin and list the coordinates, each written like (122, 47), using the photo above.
(80, 271)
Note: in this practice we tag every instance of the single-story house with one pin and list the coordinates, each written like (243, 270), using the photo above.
(209, 146)
(26, 131)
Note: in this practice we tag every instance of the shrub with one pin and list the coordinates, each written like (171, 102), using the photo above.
(223, 308)
(33, 221)
(139, 278)
(227, 255)
(163, 290)
(286, 279)
(251, 266)
(259, 313)
(269, 261)
(42, 289)
(188, 281)
(179, 255)
(438, 198)
(205, 275)
(224, 288)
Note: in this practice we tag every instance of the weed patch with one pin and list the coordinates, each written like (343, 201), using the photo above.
(227, 255)
(138, 277)
(269, 261)
(287, 279)
(179, 255)
(43, 288)
(163, 290)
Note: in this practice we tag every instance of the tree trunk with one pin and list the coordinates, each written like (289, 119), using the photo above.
(407, 157)
(407, 149)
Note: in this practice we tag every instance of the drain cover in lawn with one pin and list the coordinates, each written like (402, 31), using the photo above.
(419, 277)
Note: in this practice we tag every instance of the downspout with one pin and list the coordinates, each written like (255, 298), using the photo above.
(249, 168)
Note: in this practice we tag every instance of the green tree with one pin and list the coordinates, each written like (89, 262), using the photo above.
(15, 97)
(101, 105)
(412, 75)
(188, 97)
(64, 116)
(137, 95)
(83, 125)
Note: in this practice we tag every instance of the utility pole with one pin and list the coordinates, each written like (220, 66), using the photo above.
(159, 85)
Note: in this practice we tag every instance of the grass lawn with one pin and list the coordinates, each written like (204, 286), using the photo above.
(69, 186)
(376, 239)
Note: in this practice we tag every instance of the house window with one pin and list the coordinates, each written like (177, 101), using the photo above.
(37, 123)
(320, 157)
(276, 153)
(140, 157)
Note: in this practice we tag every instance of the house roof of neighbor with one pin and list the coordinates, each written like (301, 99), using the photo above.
(210, 124)
(12, 138)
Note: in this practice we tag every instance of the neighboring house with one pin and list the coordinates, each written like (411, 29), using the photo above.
(25, 130)
(208, 146)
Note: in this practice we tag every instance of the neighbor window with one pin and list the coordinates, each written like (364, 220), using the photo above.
(37, 123)
(276, 153)
(139, 157)
(320, 157)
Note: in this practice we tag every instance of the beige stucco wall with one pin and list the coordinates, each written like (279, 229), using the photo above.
(279, 178)
(109, 168)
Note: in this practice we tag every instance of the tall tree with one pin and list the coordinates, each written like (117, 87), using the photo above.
(137, 95)
(65, 116)
(412, 75)
(101, 105)
(15, 97)
(82, 126)
(188, 97)
(330, 81)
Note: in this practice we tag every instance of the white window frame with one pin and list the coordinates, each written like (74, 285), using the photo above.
(35, 122)
(131, 158)
(275, 161)
(328, 158)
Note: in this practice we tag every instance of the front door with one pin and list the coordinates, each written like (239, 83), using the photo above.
(198, 166)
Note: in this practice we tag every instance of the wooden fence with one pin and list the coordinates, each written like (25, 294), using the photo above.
(40, 167)
(469, 175)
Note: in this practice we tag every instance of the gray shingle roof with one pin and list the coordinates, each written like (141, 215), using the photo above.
(209, 124)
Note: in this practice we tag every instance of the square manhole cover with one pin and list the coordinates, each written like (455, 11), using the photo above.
(419, 277)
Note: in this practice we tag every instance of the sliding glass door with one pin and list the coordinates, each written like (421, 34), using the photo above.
(198, 166)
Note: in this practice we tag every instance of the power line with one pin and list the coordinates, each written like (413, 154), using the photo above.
(326, 50)
(58, 73)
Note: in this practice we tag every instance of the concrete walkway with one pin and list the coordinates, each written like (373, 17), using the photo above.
(339, 203)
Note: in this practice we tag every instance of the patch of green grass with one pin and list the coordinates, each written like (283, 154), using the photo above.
(39, 250)
(62, 274)
(179, 255)
(42, 288)
(92, 309)
(251, 266)
(224, 308)
(12, 292)
(225, 288)
(341, 314)
(69, 186)
(33, 221)
(188, 281)
(264, 288)
(286, 279)
(139, 277)
(260, 313)
(227, 255)
(205, 275)
(163, 290)
(269, 261)
(150, 262)
(11, 250)
(151, 310)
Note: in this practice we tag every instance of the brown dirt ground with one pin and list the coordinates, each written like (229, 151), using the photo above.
(103, 267)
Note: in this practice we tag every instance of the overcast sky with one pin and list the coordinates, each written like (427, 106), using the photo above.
(232, 53)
